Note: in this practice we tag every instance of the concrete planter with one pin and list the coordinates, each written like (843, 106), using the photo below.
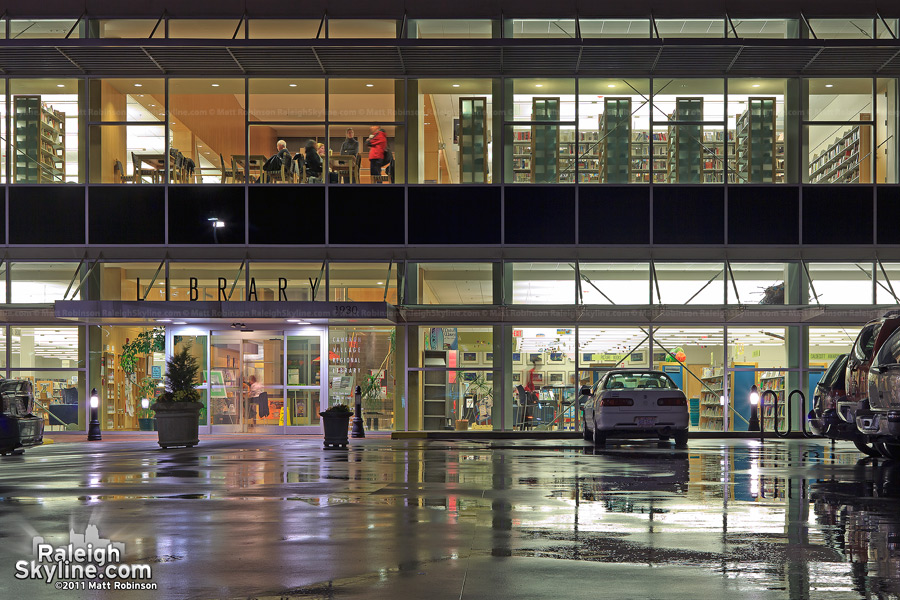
(335, 426)
(177, 423)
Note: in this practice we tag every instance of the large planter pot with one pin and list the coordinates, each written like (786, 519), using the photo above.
(147, 424)
(335, 427)
(177, 423)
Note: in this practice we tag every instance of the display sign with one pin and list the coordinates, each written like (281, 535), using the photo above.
(156, 372)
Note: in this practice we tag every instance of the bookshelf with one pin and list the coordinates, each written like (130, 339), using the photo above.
(685, 151)
(568, 155)
(545, 140)
(712, 412)
(521, 159)
(757, 143)
(435, 391)
(615, 150)
(641, 159)
(847, 159)
(473, 147)
(772, 380)
(40, 137)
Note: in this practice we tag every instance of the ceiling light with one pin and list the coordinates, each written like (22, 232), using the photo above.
(539, 85)
(380, 283)
(370, 85)
(455, 85)
(755, 85)
(140, 95)
(292, 85)
(152, 105)
(215, 85)
(829, 85)
(164, 320)
(610, 85)
(60, 85)
(180, 323)
(139, 85)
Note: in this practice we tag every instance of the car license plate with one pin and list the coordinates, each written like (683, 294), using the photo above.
(645, 421)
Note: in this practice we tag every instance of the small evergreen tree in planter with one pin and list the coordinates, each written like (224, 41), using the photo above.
(335, 422)
(178, 408)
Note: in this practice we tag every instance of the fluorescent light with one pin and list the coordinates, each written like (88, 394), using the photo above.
(164, 320)
(215, 85)
(139, 85)
(455, 85)
(60, 85)
(180, 323)
(611, 85)
(539, 85)
(292, 85)
(755, 85)
(828, 85)
(370, 85)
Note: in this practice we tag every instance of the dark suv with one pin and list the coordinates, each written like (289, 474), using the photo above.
(826, 420)
(882, 417)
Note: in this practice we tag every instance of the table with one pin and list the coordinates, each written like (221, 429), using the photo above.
(157, 162)
(254, 165)
(345, 164)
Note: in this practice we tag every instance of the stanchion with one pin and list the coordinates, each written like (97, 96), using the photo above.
(358, 430)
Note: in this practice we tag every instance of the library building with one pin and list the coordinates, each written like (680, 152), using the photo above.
(449, 208)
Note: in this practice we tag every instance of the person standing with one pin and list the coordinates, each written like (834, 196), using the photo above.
(350, 147)
(377, 141)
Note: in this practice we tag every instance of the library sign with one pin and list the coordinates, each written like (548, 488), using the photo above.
(102, 310)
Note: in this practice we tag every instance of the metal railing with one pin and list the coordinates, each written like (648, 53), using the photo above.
(788, 415)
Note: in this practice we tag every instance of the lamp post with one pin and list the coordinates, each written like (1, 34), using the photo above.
(754, 410)
(357, 430)
(94, 427)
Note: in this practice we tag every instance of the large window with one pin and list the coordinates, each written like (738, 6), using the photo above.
(364, 357)
(543, 283)
(756, 144)
(43, 282)
(215, 282)
(206, 125)
(456, 118)
(362, 282)
(45, 115)
(688, 283)
(839, 125)
(453, 283)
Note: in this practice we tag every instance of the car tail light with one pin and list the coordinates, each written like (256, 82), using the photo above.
(616, 402)
(671, 402)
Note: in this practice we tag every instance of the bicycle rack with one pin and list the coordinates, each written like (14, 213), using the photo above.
(789, 414)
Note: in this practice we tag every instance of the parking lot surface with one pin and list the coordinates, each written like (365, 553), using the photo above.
(242, 517)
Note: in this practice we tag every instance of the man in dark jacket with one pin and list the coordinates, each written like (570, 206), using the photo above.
(350, 147)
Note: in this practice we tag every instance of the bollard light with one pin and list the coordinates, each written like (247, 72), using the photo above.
(358, 430)
(94, 426)
(753, 425)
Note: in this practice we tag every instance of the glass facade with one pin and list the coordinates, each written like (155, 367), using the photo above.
(468, 326)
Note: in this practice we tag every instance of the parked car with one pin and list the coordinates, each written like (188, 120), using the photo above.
(635, 403)
(826, 420)
(19, 427)
(882, 417)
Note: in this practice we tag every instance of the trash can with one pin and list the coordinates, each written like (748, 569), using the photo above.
(19, 427)
(462, 424)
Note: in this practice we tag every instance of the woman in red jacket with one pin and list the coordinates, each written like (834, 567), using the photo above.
(377, 141)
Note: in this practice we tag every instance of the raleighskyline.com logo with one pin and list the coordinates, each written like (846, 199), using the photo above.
(88, 561)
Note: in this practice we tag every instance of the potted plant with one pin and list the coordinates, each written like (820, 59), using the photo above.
(178, 408)
(336, 422)
(146, 422)
(145, 343)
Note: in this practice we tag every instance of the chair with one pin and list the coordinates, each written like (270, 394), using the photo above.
(226, 172)
(139, 172)
(237, 175)
(119, 175)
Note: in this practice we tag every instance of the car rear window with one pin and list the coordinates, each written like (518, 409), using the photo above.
(639, 381)
(865, 343)
(890, 351)
(835, 372)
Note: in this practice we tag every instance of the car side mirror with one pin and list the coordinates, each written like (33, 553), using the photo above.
(585, 390)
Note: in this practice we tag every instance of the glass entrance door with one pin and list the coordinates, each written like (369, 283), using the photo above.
(246, 382)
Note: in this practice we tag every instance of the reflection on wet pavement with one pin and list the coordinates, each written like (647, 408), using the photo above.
(280, 517)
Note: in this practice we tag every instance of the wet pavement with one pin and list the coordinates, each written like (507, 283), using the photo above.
(279, 517)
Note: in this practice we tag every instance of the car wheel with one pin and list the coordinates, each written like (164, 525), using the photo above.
(584, 432)
(681, 438)
(865, 447)
(599, 437)
(888, 450)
